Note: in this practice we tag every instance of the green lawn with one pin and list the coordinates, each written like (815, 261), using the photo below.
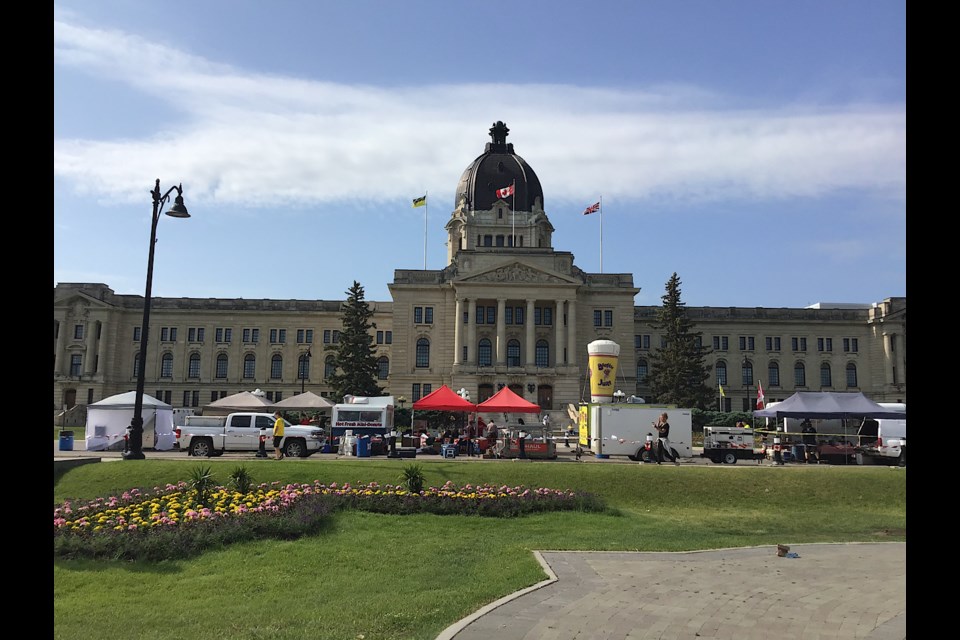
(391, 577)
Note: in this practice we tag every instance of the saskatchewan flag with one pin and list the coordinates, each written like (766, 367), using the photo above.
(420, 202)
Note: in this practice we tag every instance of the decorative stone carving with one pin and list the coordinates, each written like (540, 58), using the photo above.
(516, 273)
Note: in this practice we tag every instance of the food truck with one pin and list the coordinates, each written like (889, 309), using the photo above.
(357, 416)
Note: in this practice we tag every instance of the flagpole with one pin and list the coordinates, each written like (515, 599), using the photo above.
(426, 208)
(513, 216)
(601, 234)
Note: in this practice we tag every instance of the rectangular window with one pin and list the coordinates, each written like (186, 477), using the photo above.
(255, 337)
(379, 337)
(418, 315)
(597, 318)
(136, 334)
(246, 335)
(508, 315)
(548, 316)
(195, 399)
(173, 334)
(491, 315)
(803, 344)
(78, 332)
(819, 344)
(304, 336)
(829, 345)
(480, 314)
(608, 318)
(336, 336)
(224, 334)
(798, 344)
(195, 334)
(76, 360)
(466, 317)
(645, 341)
(427, 388)
(428, 315)
(164, 334)
(416, 391)
(326, 336)
(772, 343)
(389, 337)
(518, 315)
(186, 398)
(464, 354)
(850, 345)
(746, 343)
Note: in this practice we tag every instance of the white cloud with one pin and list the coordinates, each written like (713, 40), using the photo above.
(255, 139)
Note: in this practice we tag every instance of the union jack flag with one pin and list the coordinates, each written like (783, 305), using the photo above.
(592, 208)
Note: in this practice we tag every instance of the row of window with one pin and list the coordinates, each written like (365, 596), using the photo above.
(773, 374)
(771, 343)
(249, 366)
(485, 353)
(251, 335)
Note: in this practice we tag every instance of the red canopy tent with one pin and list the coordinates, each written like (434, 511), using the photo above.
(443, 399)
(506, 401)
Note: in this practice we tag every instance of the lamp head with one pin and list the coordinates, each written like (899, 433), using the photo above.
(178, 210)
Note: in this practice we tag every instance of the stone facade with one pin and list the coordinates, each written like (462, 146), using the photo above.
(508, 309)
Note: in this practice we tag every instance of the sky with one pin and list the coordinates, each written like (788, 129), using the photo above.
(756, 149)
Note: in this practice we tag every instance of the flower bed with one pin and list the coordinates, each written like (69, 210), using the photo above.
(171, 522)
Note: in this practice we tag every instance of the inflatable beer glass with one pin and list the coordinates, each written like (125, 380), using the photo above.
(602, 357)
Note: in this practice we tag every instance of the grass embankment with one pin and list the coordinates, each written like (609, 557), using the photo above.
(408, 577)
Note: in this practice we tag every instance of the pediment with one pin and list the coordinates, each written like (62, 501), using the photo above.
(79, 303)
(521, 273)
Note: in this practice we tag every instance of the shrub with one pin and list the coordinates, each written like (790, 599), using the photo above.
(413, 478)
(241, 480)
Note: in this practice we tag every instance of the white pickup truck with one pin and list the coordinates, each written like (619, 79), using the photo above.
(206, 436)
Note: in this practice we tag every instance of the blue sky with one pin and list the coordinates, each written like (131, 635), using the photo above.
(755, 148)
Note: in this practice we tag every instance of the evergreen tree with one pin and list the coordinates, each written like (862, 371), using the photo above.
(355, 354)
(678, 372)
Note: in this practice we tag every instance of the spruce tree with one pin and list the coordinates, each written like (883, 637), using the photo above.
(678, 372)
(355, 354)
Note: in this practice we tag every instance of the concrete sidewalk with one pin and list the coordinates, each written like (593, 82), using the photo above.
(835, 591)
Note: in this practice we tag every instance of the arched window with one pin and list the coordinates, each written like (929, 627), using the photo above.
(642, 371)
(249, 366)
(423, 353)
(513, 353)
(799, 375)
(329, 368)
(383, 367)
(193, 368)
(542, 354)
(826, 380)
(484, 353)
(851, 375)
(276, 367)
(166, 366)
(773, 374)
(221, 366)
(746, 373)
(303, 367)
(136, 365)
(721, 373)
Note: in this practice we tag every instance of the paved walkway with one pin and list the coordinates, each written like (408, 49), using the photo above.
(834, 591)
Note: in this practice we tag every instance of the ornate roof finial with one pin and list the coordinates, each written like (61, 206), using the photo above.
(498, 133)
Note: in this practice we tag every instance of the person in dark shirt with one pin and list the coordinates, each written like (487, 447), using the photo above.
(809, 441)
(663, 440)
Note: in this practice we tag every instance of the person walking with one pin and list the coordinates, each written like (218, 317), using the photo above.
(278, 424)
(468, 437)
(663, 440)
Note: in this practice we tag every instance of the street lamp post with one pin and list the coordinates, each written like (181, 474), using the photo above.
(305, 370)
(134, 449)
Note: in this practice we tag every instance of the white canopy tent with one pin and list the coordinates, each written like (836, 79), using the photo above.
(107, 423)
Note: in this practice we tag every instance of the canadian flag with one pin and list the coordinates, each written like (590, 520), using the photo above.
(506, 192)
(759, 395)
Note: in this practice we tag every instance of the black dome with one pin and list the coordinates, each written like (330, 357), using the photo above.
(497, 168)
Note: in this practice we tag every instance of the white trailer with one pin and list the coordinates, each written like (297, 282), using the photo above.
(621, 429)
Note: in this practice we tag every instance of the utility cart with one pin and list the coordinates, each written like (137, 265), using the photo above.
(726, 445)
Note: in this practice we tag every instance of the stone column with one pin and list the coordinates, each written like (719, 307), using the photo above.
(572, 332)
(102, 347)
(471, 331)
(531, 359)
(558, 335)
(58, 353)
(458, 332)
(91, 338)
(501, 333)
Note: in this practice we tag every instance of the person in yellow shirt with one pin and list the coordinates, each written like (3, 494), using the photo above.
(278, 425)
